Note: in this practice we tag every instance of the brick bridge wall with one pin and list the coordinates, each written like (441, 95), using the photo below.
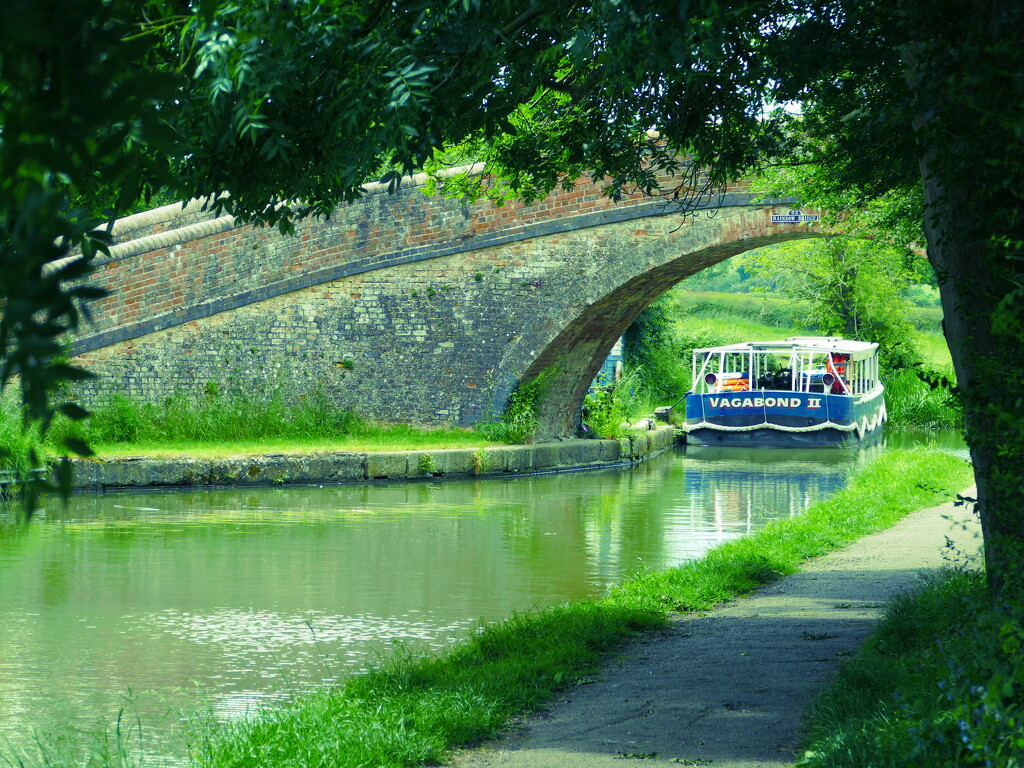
(400, 307)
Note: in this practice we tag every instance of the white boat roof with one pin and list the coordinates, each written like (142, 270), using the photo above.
(857, 350)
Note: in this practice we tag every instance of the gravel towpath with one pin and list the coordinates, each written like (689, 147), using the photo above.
(728, 689)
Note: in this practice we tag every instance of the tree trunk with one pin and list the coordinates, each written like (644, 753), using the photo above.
(961, 69)
(974, 279)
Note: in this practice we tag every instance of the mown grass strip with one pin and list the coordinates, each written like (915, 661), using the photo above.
(411, 711)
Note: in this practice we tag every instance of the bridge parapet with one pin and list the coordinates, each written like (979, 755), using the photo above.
(174, 265)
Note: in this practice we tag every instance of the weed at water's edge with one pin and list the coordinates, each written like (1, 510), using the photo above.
(518, 423)
(608, 411)
(425, 464)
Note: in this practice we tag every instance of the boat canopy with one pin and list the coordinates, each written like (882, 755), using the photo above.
(798, 363)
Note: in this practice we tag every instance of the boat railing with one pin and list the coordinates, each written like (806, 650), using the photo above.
(796, 370)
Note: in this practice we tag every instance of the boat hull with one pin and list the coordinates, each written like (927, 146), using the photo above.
(782, 419)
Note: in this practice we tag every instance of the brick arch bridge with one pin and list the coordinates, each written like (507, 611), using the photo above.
(400, 307)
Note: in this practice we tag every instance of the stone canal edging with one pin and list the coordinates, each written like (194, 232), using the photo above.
(279, 469)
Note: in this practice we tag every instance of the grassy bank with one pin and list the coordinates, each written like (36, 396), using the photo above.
(940, 683)
(215, 424)
(370, 437)
(411, 711)
(731, 317)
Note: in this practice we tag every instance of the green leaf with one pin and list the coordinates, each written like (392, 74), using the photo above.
(65, 372)
(64, 473)
(75, 445)
(88, 292)
(73, 411)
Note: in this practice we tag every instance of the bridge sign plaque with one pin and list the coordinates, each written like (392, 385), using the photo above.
(793, 217)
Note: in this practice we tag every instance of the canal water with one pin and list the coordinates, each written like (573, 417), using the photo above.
(153, 602)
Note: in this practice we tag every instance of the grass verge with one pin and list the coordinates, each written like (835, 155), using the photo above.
(219, 425)
(411, 711)
(876, 498)
(377, 438)
(939, 683)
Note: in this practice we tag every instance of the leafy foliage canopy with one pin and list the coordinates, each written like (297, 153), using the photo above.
(912, 112)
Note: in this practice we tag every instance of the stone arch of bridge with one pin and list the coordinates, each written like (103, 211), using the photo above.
(576, 354)
(433, 323)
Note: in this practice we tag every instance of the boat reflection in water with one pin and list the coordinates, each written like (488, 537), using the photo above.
(737, 491)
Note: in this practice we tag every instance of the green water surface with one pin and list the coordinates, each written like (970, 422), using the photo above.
(237, 597)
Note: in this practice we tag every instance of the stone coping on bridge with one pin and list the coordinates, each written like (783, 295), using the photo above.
(341, 467)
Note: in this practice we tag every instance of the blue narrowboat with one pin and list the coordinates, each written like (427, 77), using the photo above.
(800, 392)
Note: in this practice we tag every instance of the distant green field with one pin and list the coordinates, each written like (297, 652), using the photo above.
(711, 318)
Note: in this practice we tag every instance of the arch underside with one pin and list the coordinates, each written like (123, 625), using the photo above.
(576, 354)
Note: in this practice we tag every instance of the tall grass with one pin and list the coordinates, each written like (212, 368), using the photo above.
(121, 746)
(17, 444)
(209, 417)
(217, 424)
(914, 403)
